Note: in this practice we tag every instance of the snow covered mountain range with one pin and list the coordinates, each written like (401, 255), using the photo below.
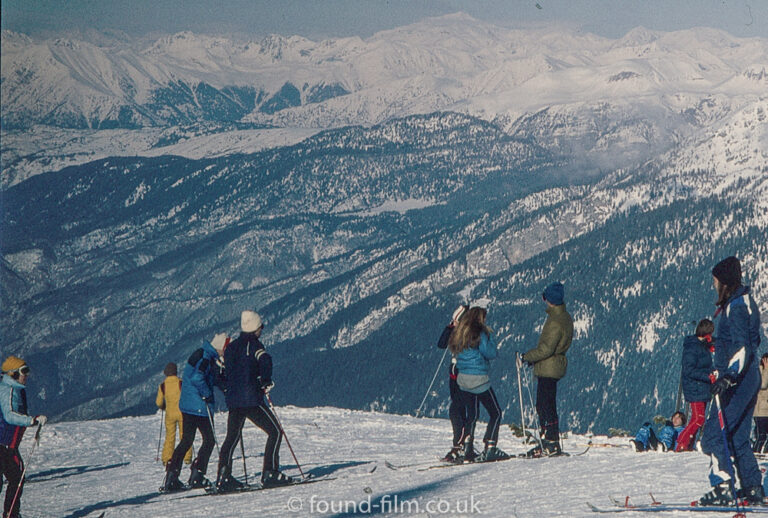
(354, 191)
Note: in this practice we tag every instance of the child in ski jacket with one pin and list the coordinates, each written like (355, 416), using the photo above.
(168, 395)
(473, 347)
(696, 368)
(665, 440)
(456, 409)
(737, 381)
(13, 421)
(201, 373)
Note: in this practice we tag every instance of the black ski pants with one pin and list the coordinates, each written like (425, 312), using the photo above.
(456, 410)
(761, 429)
(546, 407)
(472, 406)
(190, 424)
(11, 467)
(262, 417)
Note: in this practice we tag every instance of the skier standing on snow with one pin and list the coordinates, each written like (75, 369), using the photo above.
(549, 366)
(473, 346)
(248, 368)
(168, 394)
(761, 409)
(737, 381)
(13, 421)
(456, 410)
(201, 373)
(696, 368)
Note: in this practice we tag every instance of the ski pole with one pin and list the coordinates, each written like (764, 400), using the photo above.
(242, 450)
(433, 382)
(24, 471)
(721, 419)
(528, 383)
(213, 428)
(282, 430)
(519, 363)
(160, 437)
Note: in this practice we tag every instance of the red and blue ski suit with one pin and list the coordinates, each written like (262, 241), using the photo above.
(13, 421)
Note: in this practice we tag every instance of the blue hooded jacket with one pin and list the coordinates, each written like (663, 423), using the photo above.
(13, 412)
(476, 360)
(696, 368)
(738, 335)
(200, 376)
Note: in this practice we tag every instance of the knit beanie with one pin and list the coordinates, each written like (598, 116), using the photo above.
(12, 363)
(170, 369)
(554, 293)
(728, 271)
(250, 321)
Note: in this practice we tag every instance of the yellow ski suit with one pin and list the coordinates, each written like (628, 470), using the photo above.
(168, 394)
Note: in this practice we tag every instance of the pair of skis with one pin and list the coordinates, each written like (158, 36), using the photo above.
(658, 507)
(211, 491)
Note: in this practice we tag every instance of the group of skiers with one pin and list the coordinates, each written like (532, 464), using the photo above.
(472, 346)
(725, 367)
(242, 368)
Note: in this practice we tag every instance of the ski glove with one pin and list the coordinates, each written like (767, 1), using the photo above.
(39, 420)
(266, 387)
(722, 385)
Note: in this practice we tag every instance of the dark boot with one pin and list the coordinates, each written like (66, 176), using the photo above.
(754, 495)
(274, 478)
(492, 453)
(721, 494)
(469, 449)
(172, 482)
(455, 456)
(197, 479)
(225, 482)
(551, 448)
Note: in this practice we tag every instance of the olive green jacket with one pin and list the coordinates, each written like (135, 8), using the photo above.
(548, 357)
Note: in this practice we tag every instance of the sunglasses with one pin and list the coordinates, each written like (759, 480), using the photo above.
(24, 370)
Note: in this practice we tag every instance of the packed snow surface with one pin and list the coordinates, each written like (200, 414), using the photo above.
(82, 469)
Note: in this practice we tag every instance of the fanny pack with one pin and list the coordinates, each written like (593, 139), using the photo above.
(474, 383)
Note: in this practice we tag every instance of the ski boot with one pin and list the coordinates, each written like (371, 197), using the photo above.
(754, 495)
(197, 479)
(225, 482)
(455, 456)
(274, 478)
(491, 453)
(721, 494)
(469, 450)
(639, 446)
(545, 449)
(171, 482)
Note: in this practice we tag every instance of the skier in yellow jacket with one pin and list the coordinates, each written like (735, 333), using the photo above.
(168, 394)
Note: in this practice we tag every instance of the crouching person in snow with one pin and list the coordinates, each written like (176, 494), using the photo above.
(697, 365)
(549, 366)
(248, 369)
(737, 381)
(456, 410)
(13, 421)
(473, 346)
(201, 373)
(666, 440)
(168, 395)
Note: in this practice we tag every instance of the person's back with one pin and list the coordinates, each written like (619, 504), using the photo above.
(244, 360)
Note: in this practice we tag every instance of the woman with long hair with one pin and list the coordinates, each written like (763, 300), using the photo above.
(473, 346)
(737, 381)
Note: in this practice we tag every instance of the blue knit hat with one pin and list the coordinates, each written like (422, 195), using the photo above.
(555, 293)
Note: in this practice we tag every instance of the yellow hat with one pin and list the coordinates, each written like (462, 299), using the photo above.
(12, 363)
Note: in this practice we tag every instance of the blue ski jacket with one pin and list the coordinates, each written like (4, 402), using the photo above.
(200, 376)
(13, 412)
(696, 368)
(476, 360)
(247, 368)
(738, 336)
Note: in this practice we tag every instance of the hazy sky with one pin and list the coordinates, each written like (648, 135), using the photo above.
(330, 18)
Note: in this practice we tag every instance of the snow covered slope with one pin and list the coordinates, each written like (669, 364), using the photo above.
(82, 469)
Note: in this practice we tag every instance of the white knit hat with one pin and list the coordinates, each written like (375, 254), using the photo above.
(219, 341)
(250, 321)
